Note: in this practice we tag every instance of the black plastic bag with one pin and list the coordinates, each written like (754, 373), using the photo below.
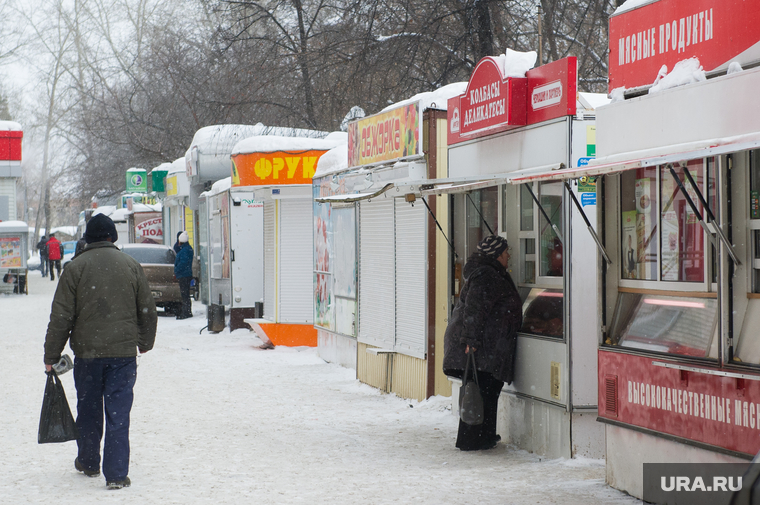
(470, 399)
(56, 422)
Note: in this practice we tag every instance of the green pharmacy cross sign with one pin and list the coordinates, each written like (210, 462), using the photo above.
(137, 180)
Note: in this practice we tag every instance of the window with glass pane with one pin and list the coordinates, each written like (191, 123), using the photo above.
(712, 201)
(527, 244)
(682, 237)
(670, 324)
(482, 213)
(638, 224)
(550, 254)
(543, 311)
(754, 213)
(526, 209)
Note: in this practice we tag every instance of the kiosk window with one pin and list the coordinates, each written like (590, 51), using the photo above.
(671, 324)
(541, 259)
(550, 253)
(543, 312)
(674, 237)
(639, 224)
(754, 215)
(682, 237)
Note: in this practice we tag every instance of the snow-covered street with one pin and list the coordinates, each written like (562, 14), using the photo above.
(217, 421)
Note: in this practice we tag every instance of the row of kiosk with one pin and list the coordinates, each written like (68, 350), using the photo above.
(634, 228)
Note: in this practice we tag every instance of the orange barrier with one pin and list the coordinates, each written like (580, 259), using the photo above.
(290, 335)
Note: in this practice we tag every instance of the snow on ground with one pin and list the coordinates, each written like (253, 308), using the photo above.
(217, 421)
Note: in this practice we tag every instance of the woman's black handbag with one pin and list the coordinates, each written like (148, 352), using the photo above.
(470, 399)
(56, 422)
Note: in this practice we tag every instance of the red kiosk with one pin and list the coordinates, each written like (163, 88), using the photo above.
(679, 355)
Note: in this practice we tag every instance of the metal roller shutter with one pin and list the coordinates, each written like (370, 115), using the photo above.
(411, 284)
(376, 273)
(296, 258)
(269, 260)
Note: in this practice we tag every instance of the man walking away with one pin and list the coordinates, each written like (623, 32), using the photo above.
(54, 255)
(104, 308)
(183, 271)
(42, 247)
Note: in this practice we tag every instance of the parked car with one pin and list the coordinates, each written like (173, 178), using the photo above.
(157, 261)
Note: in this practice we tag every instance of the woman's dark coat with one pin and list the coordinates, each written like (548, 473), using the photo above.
(486, 317)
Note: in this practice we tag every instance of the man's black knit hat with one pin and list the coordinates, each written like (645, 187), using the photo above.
(100, 228)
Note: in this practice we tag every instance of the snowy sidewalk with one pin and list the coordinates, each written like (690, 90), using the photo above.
(216, 421)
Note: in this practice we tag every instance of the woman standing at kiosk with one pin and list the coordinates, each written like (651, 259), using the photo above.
(485, 321)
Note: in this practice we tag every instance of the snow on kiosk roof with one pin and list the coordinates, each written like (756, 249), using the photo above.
(270, 160)
(13, 227)
(208, 158)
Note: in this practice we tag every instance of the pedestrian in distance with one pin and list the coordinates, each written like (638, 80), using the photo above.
(81, 244)
(177, 246)
(55, 253)
(42, 248)
(104, 309)
(183, 271)
(485, 321)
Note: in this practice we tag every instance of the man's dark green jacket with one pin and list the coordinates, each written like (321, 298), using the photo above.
(103, 305)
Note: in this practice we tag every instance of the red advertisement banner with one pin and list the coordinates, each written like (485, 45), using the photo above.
(715, 410)
(667, 31)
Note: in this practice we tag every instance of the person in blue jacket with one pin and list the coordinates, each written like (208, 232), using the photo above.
(183, 271)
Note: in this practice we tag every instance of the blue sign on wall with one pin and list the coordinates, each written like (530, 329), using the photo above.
(588, 199)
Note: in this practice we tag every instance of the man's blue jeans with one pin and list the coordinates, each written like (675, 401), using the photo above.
(104, 385)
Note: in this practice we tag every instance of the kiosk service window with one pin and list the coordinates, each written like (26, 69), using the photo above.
(754, 218)
(664, 302)
(536, 251)
(540, 255)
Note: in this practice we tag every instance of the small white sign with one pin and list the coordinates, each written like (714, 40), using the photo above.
(546, 95)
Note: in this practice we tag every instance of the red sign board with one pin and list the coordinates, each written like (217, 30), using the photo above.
(665, 32)
(493, 103)
(715, 410)
(149, 228)
(552, 90)
(10, 145)
(490, 99)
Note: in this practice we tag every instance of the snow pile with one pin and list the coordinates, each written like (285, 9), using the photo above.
(219, 186)
(333, 161)
(517, 63)
(14, 227)
(438, 99)
(10, 126)
(273, 143)
(356, 112)
(630, 5)
(178, 165)
(162, 166)
(592, 101)
(146, 207)
(685, 72)
(617, 94)
(734, 68)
